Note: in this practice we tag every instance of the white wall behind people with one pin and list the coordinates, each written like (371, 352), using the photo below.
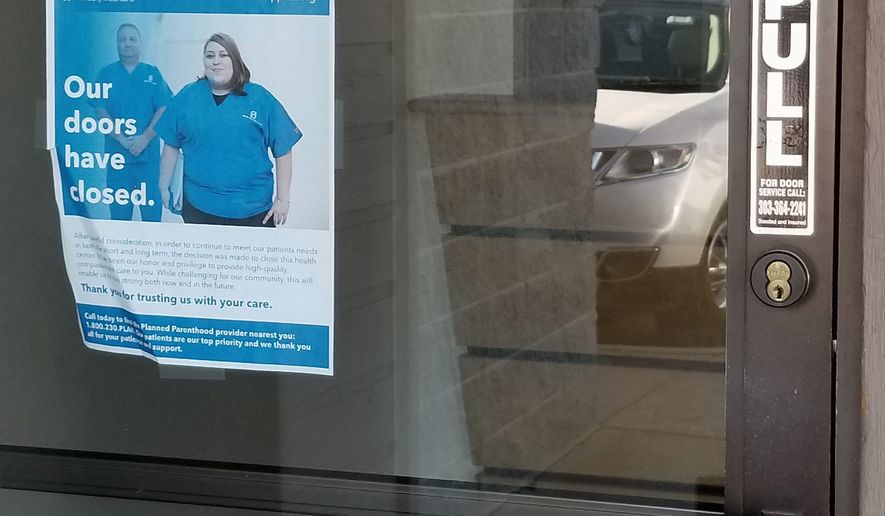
(290, 56)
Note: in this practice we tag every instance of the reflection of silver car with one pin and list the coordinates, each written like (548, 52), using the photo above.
(660, 151)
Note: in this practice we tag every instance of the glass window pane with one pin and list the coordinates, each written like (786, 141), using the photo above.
(530, 265)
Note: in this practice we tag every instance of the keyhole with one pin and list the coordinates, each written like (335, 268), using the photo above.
(778, 291)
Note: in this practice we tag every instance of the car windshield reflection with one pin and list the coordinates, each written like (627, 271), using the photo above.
(662, 47)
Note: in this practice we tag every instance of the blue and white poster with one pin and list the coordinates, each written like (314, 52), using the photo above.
(193, 155)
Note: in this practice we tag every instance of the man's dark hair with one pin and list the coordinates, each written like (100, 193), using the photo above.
(131, 26)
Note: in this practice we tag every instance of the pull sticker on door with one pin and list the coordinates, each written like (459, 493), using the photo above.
(782, 152)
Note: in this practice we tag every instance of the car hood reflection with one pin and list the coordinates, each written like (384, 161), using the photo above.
(621, 115)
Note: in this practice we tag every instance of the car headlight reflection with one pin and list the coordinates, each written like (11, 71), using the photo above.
(630, 163)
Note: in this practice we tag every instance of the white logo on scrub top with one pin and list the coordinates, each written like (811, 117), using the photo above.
(253, 117)
(150, 80)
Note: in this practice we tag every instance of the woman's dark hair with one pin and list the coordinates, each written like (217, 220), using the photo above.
(241, 73)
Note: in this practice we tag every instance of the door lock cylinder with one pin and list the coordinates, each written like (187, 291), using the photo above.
(779, 279)
(778, 288)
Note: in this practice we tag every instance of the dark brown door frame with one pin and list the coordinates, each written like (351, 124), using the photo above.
(794, 379)
(849, 290)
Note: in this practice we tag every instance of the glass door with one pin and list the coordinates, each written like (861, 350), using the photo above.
(542, 296)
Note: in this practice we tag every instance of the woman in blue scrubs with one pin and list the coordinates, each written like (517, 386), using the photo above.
(225, 125)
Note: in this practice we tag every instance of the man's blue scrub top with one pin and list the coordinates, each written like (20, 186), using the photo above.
(137, 95)
(227, 171)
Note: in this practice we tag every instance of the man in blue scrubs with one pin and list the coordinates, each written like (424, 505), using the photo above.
(139, 92)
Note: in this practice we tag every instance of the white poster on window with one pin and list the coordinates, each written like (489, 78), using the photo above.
(193, 156)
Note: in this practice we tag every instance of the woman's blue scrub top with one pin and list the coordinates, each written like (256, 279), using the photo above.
(138, 95)
(227, 171)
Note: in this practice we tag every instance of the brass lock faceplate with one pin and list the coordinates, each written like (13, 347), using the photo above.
(778, 270)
